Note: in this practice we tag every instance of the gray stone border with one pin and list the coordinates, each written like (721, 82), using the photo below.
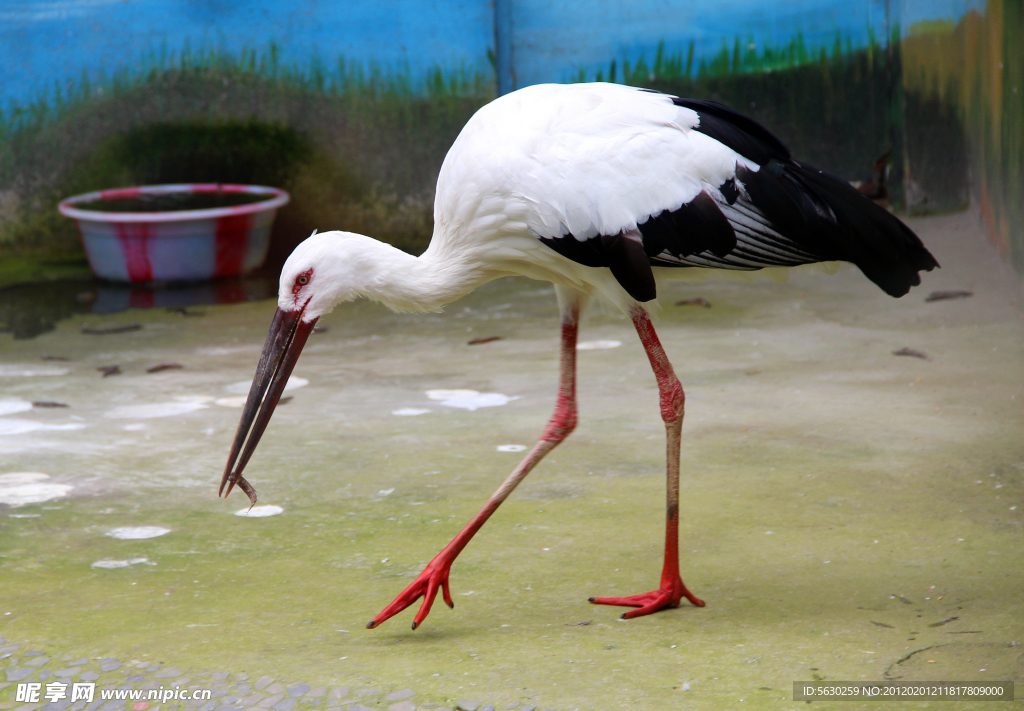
(231, 692)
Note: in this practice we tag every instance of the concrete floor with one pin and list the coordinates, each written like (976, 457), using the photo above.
(842, 506)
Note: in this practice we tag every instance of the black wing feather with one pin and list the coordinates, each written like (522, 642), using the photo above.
(731, 128)
(698, 226)
(786, 213)
(629, 265)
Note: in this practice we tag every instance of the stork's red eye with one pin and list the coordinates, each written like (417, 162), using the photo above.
(300, 281)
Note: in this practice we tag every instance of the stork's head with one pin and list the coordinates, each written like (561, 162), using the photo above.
(322, 272)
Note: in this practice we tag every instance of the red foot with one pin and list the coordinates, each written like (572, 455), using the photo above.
(669, 595)
(435, 575)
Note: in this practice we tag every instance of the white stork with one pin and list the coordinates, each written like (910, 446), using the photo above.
(603, 190)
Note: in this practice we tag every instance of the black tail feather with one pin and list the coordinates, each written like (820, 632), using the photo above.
(827, 217)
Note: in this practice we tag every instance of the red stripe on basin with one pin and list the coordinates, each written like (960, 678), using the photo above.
(134, 239)
(232, 241)
(119, 193)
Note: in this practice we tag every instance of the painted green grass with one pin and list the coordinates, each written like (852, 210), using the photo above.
(837, 106)
(344, 77)
(744, 55)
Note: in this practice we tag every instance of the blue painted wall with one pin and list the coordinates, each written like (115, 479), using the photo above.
(56, 40)
(48, 42)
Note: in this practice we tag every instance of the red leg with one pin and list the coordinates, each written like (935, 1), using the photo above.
(562, 423)
(672, 590)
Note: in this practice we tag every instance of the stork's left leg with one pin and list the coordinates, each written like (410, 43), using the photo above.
(672, 590)
(562, 423)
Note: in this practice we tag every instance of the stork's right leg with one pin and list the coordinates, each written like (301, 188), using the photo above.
(672, 590)
(563, 422)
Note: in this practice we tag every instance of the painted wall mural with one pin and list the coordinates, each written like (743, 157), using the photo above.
(352, 106)
(972, 69)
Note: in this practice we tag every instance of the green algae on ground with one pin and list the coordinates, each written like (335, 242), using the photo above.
(825, 483)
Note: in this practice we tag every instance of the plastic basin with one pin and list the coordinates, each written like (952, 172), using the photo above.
(175, 245)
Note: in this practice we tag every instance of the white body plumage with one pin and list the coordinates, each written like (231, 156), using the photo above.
(548, 160)
(540, 178)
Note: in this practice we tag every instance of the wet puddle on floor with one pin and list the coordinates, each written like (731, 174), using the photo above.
(112, 564)
(159, 409)
(30, 310)
(469, 399)
(23, 488)
(134, 533)
(597, 345)
(260, 511)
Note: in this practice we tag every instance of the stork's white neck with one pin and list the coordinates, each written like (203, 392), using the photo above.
(425, 283)
(346, 266)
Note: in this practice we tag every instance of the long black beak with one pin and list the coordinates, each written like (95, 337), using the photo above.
(288, 334)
